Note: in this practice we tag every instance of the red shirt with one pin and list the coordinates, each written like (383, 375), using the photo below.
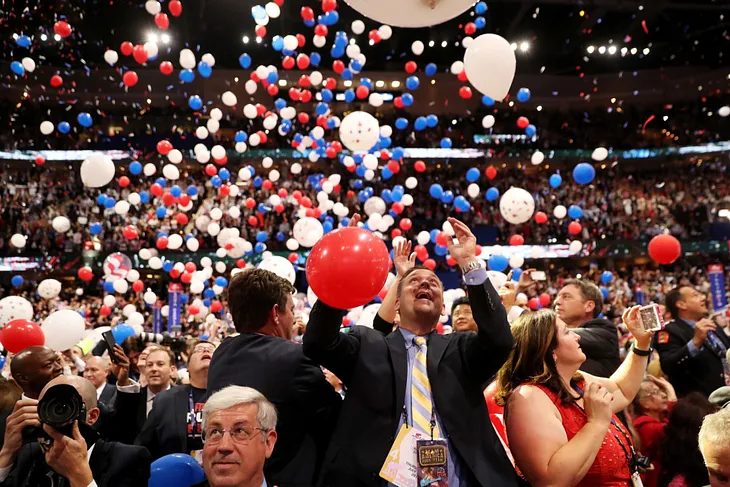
(651, 433)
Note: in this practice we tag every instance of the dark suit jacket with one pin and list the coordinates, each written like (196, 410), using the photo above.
(599, 342)
(374, 369)
(307, 404)
(701, 373)
(165, 430)
(129, 416)
(109, 394)
(112, 464)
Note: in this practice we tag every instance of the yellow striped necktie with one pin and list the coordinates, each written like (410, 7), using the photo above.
(421, 401)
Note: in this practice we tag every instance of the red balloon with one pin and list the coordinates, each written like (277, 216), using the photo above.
(574, 228)
(62, 28)
(307, 13)
(260, 31)
(329, 5)
(344, 253)
(293, 257)
(193, 310)
(161, 243)
(411, 67)
(130, 78)
(105, 310)
(534, 303)
(56, 81)
(374, 36)
(126, 48)
(288, 62)
(405, 224)
(523, 122)
(419, 166)
(491, 172)
(182, 219)
(338, 66)
(137, 286)
(470, 28)
(320, 30)
(162, 20)
(430, 264)
(216, 306)
(21, 334)
(85, 273)
(166, 68)
(541, 217)
(139, 53)
(465, 92)
(175, 8)
(168, 199)
(40, 160)
(190, 267)
(664, 249)
(362, 92)
(164, 147)
(130, 232)
(303, 61)
(516, 240)
(545, 300)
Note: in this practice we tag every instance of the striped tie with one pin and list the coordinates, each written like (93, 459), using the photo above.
(421, 402)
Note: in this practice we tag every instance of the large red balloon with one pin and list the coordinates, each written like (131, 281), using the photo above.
(21, 334)
(664, 249)
(348, 267)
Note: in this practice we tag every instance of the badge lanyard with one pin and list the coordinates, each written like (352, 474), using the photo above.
(193, 419)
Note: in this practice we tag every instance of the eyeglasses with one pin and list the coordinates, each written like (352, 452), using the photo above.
(239, 434)
(204, 349)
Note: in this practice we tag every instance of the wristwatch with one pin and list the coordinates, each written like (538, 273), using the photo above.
(473, 265)
(641, 353)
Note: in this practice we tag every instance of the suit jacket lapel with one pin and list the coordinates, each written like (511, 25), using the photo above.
(182, 408)
(99, 459)
(399, 362)
(142, 411)
(436, 348)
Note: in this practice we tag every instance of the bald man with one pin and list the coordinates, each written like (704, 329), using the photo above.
(96, 372)
(82, 460)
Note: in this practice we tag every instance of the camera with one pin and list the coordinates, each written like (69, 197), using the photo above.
(60, 407)
(639, 461)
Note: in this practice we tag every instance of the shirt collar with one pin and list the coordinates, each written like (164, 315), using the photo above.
(690, 322)
(151, 395)
(409, 336)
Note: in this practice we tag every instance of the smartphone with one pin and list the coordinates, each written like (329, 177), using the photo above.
(108, 337)
(538, 275)
(650, 317)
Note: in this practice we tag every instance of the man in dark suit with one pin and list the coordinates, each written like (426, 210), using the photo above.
(80, 459)
(691, 352)
(264, 358)
(97, 371)
(134, 403)
(415, 377)
(175, 422)
(579, 304)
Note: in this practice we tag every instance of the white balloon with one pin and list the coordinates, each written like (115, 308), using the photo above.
(409, 13)
(352, 51)
(192, 244)
(249, 111)
(213, 229)
(174, 241)
(272, 10)
(121, 286)
(516, 261)
(386, 130)
(374, 204)
(155, 263)
(370, 161)
(132, 275)
(358, 27)
(575, 247)
(187, 59)
(136, 319)
(270, 122)
(274, 175)
(145, 254)
(208, 59)
(375, 99)
(385, 31)
(216, 114)
(152, 7)
(488, 122)
(290, 42)
(490, 65)
(359, 131)
(151, 49)
(319, 41)
(295, 168)
(134, 198)
(559, 212)
(121, 207)
(61, 224)
(213, 125)
(203, 157)
(423, 238)
(28, 64)
(724, 111)
(196, 287)
(241, 147)
(165, 311)
(170, 172)
(292, 244)
(47, 127)
(175, 156)
(149, 297)
(279, 266)
(63, 329)
(97, 171)
(149, 169)
(307, 231)
(251, 88)
(220, 267)
(49, 288)
(316, 78)
(111, 57)
(201, 133)
(234, 212)
(229, 99)
(417, 48)
(516, 205)
(473, 190)
(216, 213)
(537, 158)
(456, 67)
(599, 154)
(254, 140)
(14, 308)
(110, 300)
(466, 42)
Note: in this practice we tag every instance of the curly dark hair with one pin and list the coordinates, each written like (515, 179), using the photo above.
(251, 296)
(680, 452)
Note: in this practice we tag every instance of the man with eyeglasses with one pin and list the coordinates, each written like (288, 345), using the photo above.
(239, 432)
(174, 424)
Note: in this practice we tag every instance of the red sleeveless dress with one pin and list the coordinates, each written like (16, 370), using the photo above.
(611, 466)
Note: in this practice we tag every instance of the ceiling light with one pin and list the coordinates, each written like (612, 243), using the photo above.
(395, 84)
(444, 44)
(513, 46)
(347, 83)
(646, 50)
(634, 50)
(624, 50)
(612, 50)
(245, 39)
(539, 108)
(590, 49)
(431, 43)
(149, 101)
(57, 37)
(380, 83)
(44, 37)
(152, 37)
(525, 46)
(165, 38)
(282, 82)
(258, 40)
(602, 50)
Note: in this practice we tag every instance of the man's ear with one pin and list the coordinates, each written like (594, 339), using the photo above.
(589, 306)
(92, 416)
(270, 442)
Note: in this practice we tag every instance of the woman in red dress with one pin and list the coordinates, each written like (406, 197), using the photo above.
(561, 425)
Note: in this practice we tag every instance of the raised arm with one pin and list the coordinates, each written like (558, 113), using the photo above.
(403, 260)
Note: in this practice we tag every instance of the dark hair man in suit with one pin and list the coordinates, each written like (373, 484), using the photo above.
(264, 358)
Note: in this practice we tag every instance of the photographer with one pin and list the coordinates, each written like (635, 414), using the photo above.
(78, 456)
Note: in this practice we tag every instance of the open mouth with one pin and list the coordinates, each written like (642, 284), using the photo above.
(423, 295)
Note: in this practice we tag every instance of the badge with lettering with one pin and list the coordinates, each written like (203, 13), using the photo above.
(662, 337)
(433, 466)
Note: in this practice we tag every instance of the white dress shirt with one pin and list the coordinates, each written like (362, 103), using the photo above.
(135, 388)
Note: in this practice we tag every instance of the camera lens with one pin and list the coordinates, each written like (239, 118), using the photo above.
(60, 406)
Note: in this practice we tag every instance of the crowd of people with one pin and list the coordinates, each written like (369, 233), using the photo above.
(524, 397)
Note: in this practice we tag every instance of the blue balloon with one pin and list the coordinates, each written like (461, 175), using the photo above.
(109, 203)
(401, 123)
(472, 174)
(487, 101)
(432, 120)
(245, 61)
(257, 182)
(17, 68)
(530, 130)
(17, 280)
(315, 58)
(575, 212)
(241, 136)
(2, 361)
(584, 173)
(216, 181)
(221, 281)
(420, 124)
(224, 174)
(326, 95)
(262, 236)
(176, 191)
(260, 247)
(168, 265)
(135, 167)
(386, 173)
(492, 194)
(195, 102)
(523, 95)
(23, 41)
(446, 143)
(440, 250)
(161, 212)
(192, 190)
(516, 273)
(187, 75)
(607, 277)
(367, 82)
(272, 77)
(350, 95)
(144, 197)
(497, 263)
(480, 8)
(355, 65)
(161, 181)
(461, 203)
(109, 287)
(412, 82)
(407, 99)
(447, 197)
(280, 103)
(555, 180)
(480, 22)
(84, 119)
(205, 69)
(95, 228)
(346, 74)
(322, 108)
(64, 127)
(121, 332)
(101, 199)
(436, 191)
(398, 153)
(431, 69)
(277, 43)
